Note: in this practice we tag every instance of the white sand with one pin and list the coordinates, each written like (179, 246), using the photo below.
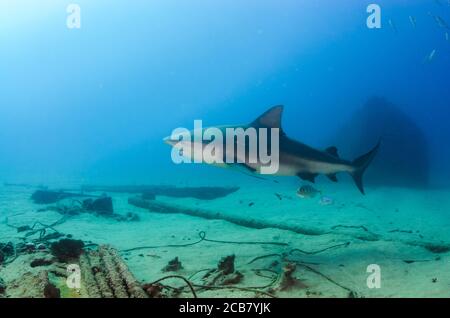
(426, 213)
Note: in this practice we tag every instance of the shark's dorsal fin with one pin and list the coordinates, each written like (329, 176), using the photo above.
(270, 119)
(332, 151)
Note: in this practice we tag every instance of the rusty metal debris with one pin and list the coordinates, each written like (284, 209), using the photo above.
(105, 275)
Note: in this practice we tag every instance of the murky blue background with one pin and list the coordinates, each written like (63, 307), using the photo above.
(92, 105)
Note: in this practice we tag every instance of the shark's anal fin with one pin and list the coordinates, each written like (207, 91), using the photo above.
(307, 176)
(332, 151)
(332, 177)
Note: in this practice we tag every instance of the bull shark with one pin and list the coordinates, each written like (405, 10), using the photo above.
(294, 157)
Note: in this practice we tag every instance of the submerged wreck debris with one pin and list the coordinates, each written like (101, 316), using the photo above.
(148, 196)
(226, 265)
(50, 290)
(158, 290)
(106, 275)
(379, 117)
(34, 285)
(154, 290)
(359, 232)
(288, 280)
(68, 210)
(285, 279)
(6, 250)
(224, 274)
(411, 261)
(102, 206)
(130, 217)
(434, 248)
(103, 273)
(173, 265)
(41, 262)
(232, 279)
(2, 287)
(67, 249)
(162, 207)
(149, 192)
(48, 197)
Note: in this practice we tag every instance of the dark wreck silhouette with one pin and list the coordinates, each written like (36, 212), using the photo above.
(403, 156)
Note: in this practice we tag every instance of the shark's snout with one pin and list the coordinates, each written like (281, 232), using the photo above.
(168, 140)
(178, 138)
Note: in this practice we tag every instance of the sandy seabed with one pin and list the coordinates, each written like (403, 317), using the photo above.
(396, 215)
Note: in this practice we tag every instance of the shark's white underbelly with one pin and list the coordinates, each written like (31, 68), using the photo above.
(289, 169)
(296, 166)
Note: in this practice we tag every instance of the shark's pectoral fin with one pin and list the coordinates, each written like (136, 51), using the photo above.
(249, 171)
(221, 165)
(245, 167)
(332, 177)
(332, 151)
(307, 176)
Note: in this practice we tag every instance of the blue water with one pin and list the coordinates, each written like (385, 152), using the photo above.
(92, 104)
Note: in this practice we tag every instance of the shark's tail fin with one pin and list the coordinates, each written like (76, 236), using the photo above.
(360, 164)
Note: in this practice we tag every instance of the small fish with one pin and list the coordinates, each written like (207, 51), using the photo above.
(430, 56)
(413, 21)
(439, 21)
(391, 23)
(307, 191)
(324, 201)
(446, 36)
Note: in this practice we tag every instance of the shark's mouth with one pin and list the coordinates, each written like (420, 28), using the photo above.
(251, 146)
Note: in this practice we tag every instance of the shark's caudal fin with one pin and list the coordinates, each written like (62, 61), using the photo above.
(360, 164)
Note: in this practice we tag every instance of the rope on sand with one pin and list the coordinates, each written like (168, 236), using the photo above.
(202, 235)
(188, 283)
(363, 233)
